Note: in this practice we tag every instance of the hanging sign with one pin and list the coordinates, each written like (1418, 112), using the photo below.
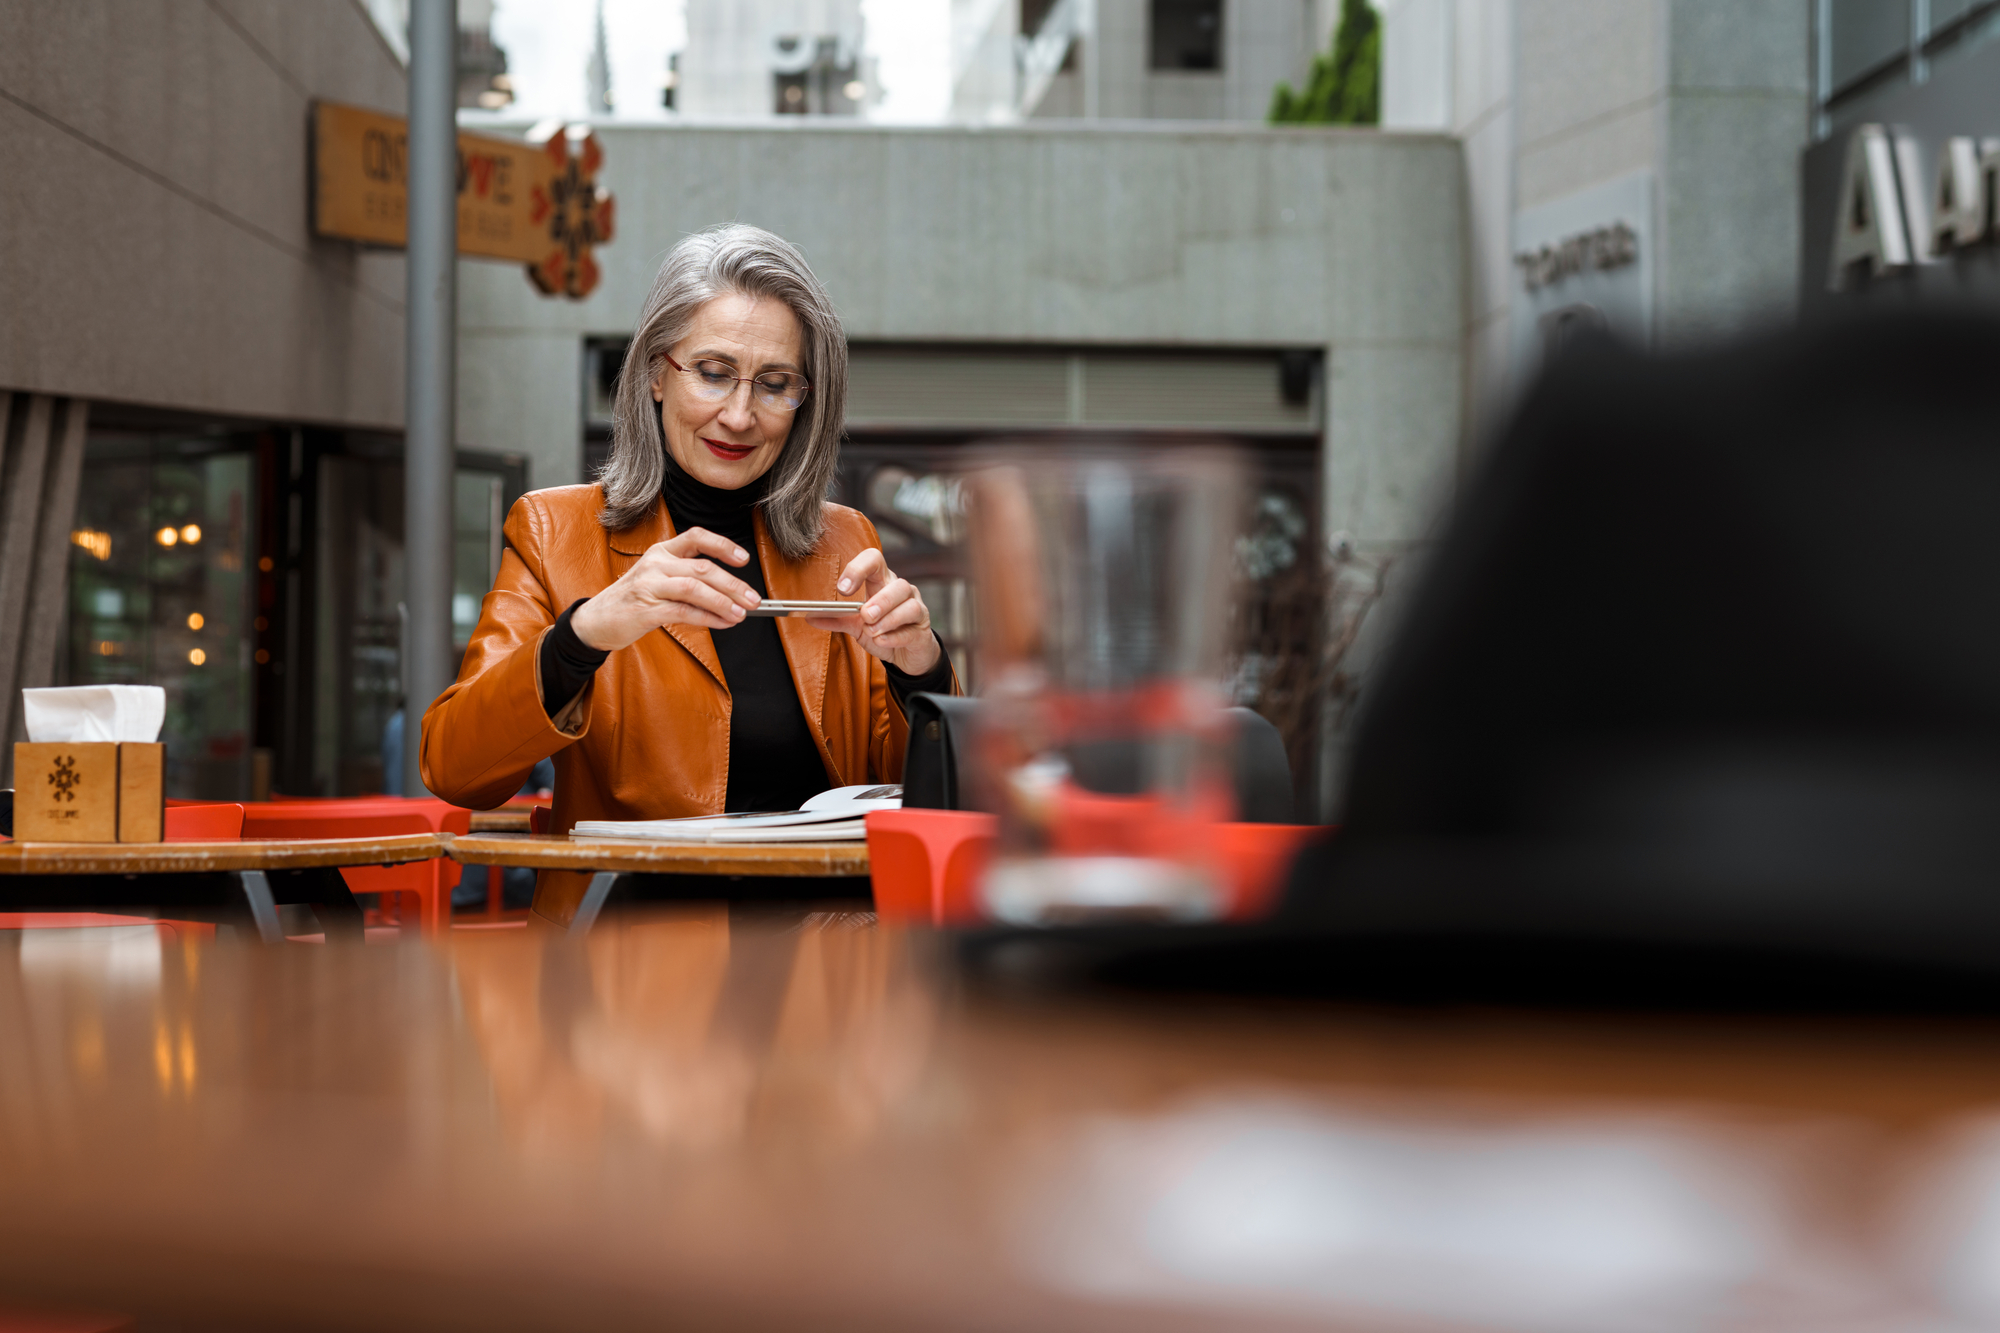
(536, 202)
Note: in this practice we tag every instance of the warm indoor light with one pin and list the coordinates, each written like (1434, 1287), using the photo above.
(197, 656)
(194, 620)
(191, 533)
(264, 563)
(166, 536)
(263, 656)
(93, 541)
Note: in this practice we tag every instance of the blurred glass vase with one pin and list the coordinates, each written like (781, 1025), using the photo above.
(1103, 576)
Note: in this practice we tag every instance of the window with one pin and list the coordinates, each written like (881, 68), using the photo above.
(162, 592)
(1187, 34)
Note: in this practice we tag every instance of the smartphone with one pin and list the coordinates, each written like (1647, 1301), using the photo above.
(773, 606)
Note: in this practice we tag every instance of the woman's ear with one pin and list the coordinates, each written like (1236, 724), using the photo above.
(660, 380)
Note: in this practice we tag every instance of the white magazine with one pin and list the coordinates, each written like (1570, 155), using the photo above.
(831, 816)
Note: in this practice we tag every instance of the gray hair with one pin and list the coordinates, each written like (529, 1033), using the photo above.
(746, 261)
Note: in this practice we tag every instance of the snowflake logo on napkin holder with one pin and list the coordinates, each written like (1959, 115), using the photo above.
(65, 779)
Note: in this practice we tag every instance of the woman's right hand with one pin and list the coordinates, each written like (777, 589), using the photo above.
(671, 585)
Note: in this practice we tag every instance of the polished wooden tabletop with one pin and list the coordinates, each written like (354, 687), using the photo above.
(670, 858)
(147, 858)
(691, 1120)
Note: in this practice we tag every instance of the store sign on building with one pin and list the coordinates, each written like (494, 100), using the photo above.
(1901, 202)
(1891, 213)
(536, 202)
(1583, 263)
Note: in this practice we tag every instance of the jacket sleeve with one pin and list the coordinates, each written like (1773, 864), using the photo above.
(483, 735)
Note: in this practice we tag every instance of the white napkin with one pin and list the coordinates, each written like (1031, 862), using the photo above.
(95, 713)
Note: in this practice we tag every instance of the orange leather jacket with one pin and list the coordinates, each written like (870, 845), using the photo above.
(649, 736)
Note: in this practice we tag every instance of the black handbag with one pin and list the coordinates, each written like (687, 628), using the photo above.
(936, 764)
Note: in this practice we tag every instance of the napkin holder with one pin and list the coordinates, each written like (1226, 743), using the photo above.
(89, 791)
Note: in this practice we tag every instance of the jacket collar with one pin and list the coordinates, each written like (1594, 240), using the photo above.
(654, 527)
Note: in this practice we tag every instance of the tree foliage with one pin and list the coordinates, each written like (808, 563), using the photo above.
(1345, 86)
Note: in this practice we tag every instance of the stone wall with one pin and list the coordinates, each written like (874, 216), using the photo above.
(154, 241)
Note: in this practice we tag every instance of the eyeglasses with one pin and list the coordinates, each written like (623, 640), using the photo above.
(714, 381)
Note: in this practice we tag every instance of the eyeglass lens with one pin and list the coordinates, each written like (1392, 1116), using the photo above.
(714, 380)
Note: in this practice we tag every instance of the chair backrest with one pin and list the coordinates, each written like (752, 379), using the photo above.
(220, 821)
(358, 817)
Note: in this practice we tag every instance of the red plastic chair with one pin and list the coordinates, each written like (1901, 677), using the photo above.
(430, 882)
(204, 821)
(926, 864)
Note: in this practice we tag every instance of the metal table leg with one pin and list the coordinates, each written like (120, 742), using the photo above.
(263, 911)
(593, 901)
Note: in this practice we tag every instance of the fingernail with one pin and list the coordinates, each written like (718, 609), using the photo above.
(742, 554)
(869, 612)
(751, 598)
(845, 584)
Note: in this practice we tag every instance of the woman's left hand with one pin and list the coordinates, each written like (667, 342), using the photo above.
(894, 623)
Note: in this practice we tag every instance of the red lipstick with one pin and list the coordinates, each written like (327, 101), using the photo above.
(732, 453)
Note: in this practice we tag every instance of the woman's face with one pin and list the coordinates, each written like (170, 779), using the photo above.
(731, 443)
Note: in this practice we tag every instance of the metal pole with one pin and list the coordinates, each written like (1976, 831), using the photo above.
(430, 396)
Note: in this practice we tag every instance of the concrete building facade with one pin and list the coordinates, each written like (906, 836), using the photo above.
(1678, 120)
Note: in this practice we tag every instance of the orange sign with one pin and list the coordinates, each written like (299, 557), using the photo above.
(537, 203)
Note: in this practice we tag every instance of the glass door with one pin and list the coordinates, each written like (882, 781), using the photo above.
(357, 695)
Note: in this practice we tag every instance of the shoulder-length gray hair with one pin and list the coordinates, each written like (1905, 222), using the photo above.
(746, 261)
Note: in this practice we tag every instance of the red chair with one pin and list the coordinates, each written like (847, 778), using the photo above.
(204, 821)
(926, 864)
(430, 882)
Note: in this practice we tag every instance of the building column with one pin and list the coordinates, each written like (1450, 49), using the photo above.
(41, 466)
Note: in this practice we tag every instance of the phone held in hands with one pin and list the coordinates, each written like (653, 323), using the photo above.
(773, 606)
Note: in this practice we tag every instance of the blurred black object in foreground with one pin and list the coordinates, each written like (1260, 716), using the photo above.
(1699, 704)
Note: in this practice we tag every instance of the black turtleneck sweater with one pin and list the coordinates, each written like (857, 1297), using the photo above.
(774, 763)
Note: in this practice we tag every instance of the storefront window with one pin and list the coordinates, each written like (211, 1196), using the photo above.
(160, 594)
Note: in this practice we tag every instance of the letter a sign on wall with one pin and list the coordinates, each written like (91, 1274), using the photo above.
(535, 202)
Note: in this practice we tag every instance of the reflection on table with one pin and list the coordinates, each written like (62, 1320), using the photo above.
(737, 1121)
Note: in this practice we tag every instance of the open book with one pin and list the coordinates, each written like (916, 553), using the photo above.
(831, 816)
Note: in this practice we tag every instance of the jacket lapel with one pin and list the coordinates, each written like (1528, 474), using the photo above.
(806, 648)
(626, 548)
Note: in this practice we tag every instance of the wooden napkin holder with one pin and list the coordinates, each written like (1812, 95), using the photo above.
(89, 791)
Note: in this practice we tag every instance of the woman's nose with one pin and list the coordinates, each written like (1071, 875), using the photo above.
(738, 410)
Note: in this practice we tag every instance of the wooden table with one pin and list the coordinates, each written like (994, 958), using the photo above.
(503, 820)
(685, 1119)
(607, 859)
(265, 872)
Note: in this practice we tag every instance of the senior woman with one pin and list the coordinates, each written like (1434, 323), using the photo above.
(617, 637)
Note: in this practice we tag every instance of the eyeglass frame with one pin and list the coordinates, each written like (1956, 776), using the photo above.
(750, 380)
